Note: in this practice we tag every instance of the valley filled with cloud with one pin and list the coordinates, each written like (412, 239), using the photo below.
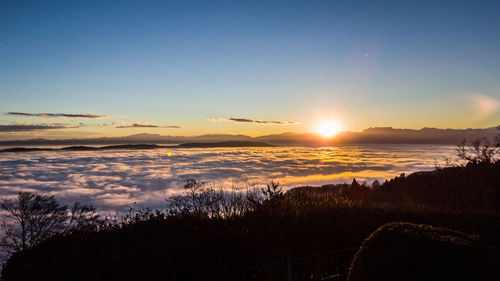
(113, 180)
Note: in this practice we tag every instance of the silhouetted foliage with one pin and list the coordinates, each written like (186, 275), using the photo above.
(186, 247)
(405, 251)
(480, 151)
(471, 186)
(203, 200)
(273, 191)
(32, 218)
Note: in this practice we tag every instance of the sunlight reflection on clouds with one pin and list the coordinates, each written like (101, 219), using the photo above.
(114, 179)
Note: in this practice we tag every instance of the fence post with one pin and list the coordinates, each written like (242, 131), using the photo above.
(288, 269)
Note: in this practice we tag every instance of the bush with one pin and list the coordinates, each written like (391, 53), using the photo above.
(405, 251)
(31, 218)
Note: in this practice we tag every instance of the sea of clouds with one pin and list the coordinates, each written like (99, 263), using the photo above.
(113, 180)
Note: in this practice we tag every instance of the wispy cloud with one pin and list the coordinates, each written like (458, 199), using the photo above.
(124, 125)
(216, 119)
(101, 125)
(57, 115)
(136, 125)
(245, 120)
(23, 127)
(172, 127)
(483, 105)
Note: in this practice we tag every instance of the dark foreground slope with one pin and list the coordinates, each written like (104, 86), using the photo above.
(474, 186)
(304, 222)
(195, 248)
(405, 251)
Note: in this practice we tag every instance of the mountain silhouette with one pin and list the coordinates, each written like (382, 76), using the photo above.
(375, 135)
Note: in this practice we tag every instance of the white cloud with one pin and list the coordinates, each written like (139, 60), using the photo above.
(246, 120)
(216, 119)
(112, 180)
(484, 106)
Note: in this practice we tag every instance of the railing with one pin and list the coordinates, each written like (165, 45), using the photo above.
(288, 262)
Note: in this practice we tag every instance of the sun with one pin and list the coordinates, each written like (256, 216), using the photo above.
(328, 128)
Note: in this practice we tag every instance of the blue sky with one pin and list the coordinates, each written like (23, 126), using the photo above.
(188, 64)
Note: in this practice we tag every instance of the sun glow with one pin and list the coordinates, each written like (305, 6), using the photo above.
(328, 128)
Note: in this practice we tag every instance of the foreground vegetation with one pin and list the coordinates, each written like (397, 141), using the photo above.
(210, 234)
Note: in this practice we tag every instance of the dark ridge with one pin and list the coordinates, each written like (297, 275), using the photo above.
(25, 149)
(110, 147)
(225, 144)
(131, 146)
(81, 147)
(85, 148)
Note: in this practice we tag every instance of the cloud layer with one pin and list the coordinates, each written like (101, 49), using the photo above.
(25, 127)
(112, 180)
(56, 115)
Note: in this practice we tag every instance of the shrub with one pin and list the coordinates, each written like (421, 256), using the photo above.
(405, 251)
(32, 218)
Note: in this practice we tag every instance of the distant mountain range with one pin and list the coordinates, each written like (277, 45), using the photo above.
(377, 135)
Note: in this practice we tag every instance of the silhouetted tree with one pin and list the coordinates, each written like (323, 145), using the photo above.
(204, 200)
(480, 151)
(358, 191)
(354, 183)
(32, 218)
(273, 191)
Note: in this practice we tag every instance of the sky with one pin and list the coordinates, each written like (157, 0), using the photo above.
(114, 68)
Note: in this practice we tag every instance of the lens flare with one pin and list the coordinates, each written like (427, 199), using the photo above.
(328, 128)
